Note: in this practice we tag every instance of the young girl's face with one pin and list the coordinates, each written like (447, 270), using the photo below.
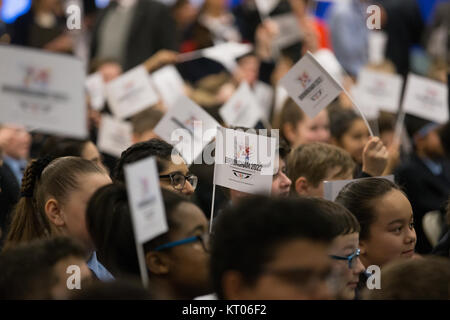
(391, 235)
(344, 246)
(354, 140)
(316, 129)
(73, 210)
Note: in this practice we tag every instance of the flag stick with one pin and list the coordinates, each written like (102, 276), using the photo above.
(212, 204)
(359, 110)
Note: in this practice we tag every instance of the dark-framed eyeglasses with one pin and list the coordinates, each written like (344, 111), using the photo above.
(204, 239)
(351, 258)
(178, 180)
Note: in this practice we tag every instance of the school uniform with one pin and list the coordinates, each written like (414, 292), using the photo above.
(427, 185)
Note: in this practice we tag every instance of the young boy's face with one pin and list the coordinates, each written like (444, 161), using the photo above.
(346, 277)
(333, 174)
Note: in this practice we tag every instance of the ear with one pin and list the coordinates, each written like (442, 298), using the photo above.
(362, 247)
(289, 132)
(53, 211)
(233, 286)
(301, 186)
(157, 263)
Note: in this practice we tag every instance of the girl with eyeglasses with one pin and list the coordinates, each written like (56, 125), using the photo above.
(174, 174)
(177, 261)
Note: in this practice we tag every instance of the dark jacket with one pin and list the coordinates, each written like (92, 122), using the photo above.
(152, 29)
(9, 195)
(425, 191)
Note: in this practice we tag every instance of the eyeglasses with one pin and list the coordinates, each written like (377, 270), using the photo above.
(178, 180)
(204, 239)
(351, 258)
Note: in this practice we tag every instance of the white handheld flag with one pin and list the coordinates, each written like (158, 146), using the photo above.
(114, 135)
(131, 93)
(310, 85)
(381, 90)
(227, 52)
(146, 204)
(244, 161)
(96, 90)
(242, 109)
(188, 127)
(289, 31)
(169, 84)
(265, 7)
(36, 91)
(426, 98)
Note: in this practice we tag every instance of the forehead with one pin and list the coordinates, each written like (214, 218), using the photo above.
(177, 164)
(187, 217)
(346, 240)
(300, 253)
(392, 206)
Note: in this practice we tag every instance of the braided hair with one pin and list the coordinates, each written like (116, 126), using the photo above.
(45, 178)
(141, 150)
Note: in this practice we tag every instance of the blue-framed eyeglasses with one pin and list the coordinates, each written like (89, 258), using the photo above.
(351, 258)
(204, 239)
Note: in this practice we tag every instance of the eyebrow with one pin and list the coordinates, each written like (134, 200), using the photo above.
(396, 221)
(197, 228)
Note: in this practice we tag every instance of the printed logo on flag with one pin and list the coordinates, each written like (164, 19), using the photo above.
(310, 85)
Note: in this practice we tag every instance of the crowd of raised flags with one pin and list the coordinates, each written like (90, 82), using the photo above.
(50, 94)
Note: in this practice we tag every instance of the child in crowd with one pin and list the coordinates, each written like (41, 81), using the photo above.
(173, 171)
(255, 248)
(344, 249)
(53, 202)
(311, 164)
(386, 219)
(143, 124)
(38, 269)
(297, 128)
(349, 132)
(56, 147)
(425, 175)
(177, 261)
(417, 279)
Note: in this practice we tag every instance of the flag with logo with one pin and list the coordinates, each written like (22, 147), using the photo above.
(131, 93)
(187, 127)
(42, 90)
(242, 109)
(310, 85)
(426, 98)
(244, 161)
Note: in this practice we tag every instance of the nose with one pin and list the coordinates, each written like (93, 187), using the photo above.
(411, 236)
(188, 188)
(359, 267)
(285, 182)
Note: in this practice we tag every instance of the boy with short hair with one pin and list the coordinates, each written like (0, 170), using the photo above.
(311, 164)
